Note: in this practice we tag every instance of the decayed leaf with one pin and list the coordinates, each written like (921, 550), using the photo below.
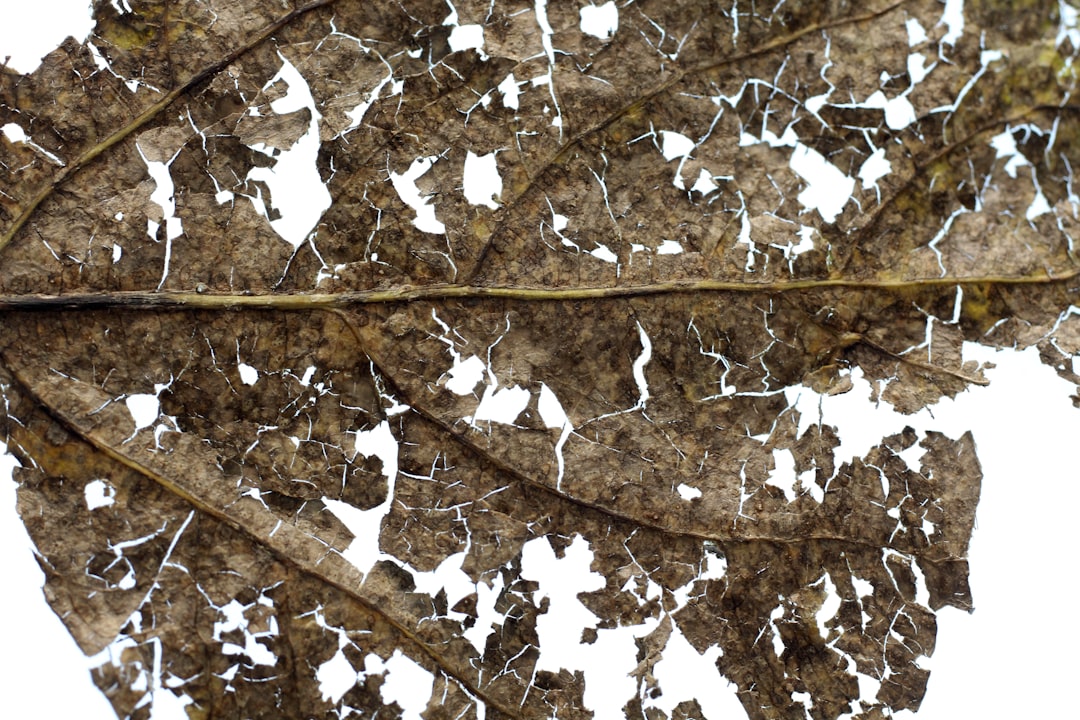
(311, 455)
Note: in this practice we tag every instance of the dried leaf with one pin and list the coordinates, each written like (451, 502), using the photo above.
(308, 454)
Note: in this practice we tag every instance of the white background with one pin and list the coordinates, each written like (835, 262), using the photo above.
(1011, 658)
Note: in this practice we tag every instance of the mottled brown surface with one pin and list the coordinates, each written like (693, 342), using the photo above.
(226, 500)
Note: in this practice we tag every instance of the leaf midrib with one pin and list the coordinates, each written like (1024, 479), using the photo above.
(141, 300)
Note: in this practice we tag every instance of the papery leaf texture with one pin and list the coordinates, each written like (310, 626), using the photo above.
(456, 359)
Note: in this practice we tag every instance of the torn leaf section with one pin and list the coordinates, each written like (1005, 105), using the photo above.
(235, 618)
(600, 21)
(99, 493)
(405, 184)
(14, 133)
(24, 50)
(163, 197)
(559, 630)
(300, 196)
(828, 188)
(145, 411)
(365, 525)
(483, 184)
(555, 418)
(685, 674)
